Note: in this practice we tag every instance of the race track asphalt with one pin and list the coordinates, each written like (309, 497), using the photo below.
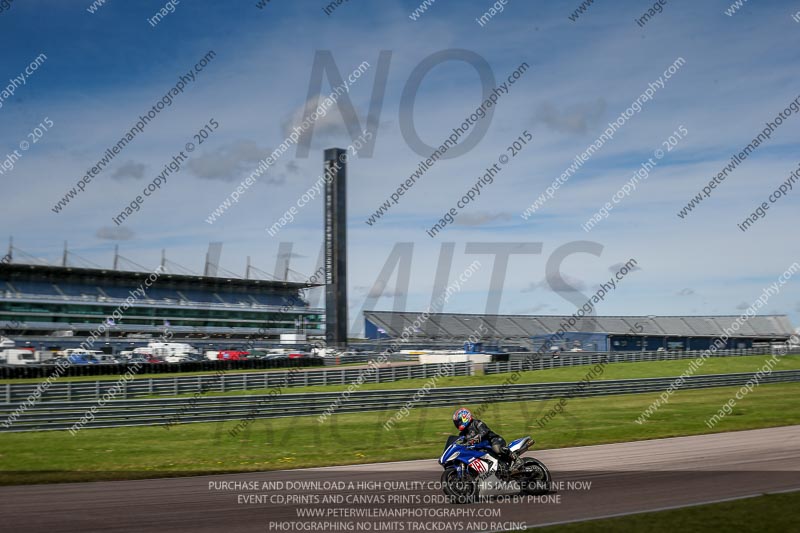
(592, 481)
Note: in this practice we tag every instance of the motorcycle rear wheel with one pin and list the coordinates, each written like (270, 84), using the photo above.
(536, 478)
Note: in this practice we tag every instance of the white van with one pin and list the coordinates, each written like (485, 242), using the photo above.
(18, 356)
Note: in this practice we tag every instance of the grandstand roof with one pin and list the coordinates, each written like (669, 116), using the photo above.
(100, 276)
(460, 326)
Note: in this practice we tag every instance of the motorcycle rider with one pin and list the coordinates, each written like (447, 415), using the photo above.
(472, 431)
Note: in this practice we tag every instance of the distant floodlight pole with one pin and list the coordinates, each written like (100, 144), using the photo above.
(335, 168)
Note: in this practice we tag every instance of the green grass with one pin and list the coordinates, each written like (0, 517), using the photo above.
(771, 513)
(352, 438)
(654, 369)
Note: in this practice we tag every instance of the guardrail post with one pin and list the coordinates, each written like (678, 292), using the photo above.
(394, 373)
(175, 385)
(125, 390)
(305, 378)
(69, 390)
(97, 389)
(8, 392)
(222, 382)
(150, 386)
(244, 381)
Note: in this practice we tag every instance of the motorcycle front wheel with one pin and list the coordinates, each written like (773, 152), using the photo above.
(462, 489)
(535, 478)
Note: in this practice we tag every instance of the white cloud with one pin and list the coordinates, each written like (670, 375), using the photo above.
(574, 119)
(129, 169)
(480, 219)
(119, 233)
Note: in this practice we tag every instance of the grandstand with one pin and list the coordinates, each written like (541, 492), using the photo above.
(602, 333)
(45, 301)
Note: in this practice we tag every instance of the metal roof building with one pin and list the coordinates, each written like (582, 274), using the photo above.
(602, 333)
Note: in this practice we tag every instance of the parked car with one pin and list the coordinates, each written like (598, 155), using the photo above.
(232, 355)
(258, 353)
(77, 358)
(145, 358)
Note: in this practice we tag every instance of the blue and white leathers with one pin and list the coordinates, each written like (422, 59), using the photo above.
(477, 458)
(467, 470)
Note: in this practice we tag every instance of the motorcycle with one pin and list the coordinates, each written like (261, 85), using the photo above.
(466, 466)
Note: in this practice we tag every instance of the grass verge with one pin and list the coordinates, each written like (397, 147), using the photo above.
(652, 369)
(769, 513)
(352, 438)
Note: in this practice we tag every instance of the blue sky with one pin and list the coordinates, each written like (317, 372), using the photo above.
(104, 69)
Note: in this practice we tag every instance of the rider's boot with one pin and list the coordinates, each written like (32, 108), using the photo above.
(515, 463)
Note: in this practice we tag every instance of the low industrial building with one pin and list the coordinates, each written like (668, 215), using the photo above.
(596, 334)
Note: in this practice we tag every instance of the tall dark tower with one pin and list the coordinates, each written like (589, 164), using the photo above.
(336, 247)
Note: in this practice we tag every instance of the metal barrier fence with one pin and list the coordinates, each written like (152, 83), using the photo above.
(221, 382)
(115, 369)
(370, 356)
(119, 413)
(519, 361)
